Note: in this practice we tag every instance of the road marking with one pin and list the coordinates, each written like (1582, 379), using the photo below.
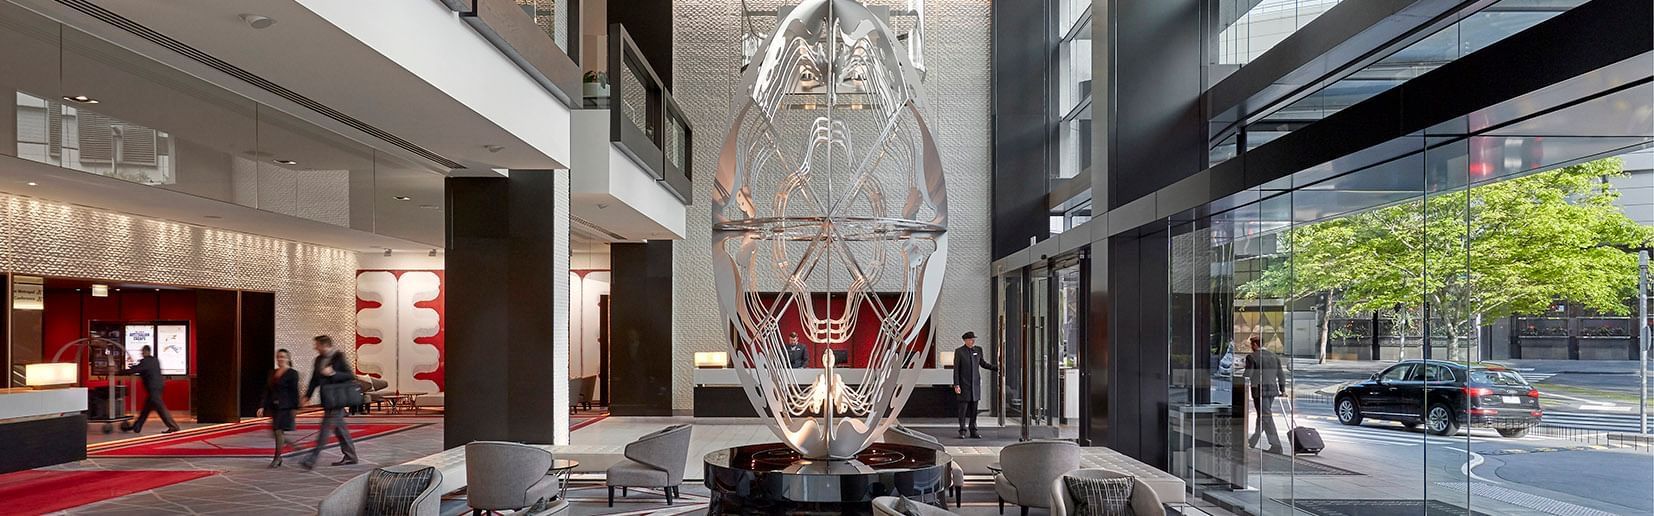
(1606, 408)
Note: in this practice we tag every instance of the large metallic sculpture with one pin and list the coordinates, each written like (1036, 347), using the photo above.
(829, 207)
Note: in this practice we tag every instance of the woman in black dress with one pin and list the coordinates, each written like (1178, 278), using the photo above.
(281, 398)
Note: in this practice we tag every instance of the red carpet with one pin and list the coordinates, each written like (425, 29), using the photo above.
(241, 440)
(39, 492)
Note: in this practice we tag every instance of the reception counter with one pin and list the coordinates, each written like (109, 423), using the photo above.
(42, 427)
(718, 392)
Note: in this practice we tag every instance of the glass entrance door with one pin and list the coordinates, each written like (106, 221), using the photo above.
(1041, 363)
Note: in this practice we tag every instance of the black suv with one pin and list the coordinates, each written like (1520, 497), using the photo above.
(1443, 396)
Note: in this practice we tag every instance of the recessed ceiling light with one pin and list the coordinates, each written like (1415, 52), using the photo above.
(286, 162)
(403, 198)
(430, 206)
(81, 99)
(214, 217)
(494, 148)
(258, 21)
(32, 183)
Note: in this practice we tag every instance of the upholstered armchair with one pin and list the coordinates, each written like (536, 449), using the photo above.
(1028, 469)
(373, 391)
(351, 498)
(503, 476)
(1144, 502)
(888, 506)
(955, 486)
(654, 460)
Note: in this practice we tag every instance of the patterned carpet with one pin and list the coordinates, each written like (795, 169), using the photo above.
(251, 440)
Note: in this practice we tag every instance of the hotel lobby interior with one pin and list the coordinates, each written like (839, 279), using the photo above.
(440, 257)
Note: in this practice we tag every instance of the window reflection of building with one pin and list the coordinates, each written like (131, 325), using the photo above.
(75, 137)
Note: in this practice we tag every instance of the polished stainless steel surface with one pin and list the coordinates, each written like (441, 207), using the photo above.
(829, 203)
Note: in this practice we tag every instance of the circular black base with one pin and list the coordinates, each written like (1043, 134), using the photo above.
(772, 478)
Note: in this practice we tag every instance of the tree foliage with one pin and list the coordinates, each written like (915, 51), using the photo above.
(1506, 248)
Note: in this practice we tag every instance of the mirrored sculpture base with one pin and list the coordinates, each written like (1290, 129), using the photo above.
(774, 479)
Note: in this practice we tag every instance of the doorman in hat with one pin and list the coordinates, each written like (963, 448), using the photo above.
(966, 381)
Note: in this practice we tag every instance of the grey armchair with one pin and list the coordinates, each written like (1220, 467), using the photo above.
(886, 506)
(509, 476)
(1029, 468)
(654, 460)
(350, 498)
(955, 485)
(1144, 502)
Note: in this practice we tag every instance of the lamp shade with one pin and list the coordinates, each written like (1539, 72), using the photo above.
(54, 373)
(711, 359)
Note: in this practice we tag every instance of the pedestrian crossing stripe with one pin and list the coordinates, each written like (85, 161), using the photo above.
(1520, 451)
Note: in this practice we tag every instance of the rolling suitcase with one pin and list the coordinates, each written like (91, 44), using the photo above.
(1304, 439)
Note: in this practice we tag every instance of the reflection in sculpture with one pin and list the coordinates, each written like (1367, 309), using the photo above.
(829, 202)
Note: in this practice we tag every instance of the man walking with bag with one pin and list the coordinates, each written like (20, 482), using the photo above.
(333, 375)
(1266, 382)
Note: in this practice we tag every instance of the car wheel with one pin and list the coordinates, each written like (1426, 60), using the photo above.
(1348, 412)
(1513, 432)
(1439, 420)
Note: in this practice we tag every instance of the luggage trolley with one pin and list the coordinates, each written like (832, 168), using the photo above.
(103, 359)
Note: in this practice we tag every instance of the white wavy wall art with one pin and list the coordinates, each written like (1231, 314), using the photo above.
(399, 328)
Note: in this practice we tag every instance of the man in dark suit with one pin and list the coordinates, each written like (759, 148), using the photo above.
(330, 368)
(148, 370)
(796, 353)
(1266, 382)
(966, 381)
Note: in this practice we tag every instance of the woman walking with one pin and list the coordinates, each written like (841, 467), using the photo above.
(281, 398)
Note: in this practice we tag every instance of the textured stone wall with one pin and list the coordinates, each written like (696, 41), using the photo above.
(315, 286)
(705, 59)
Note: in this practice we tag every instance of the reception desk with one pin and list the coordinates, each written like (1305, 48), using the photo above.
(42, 427)
(718, 392)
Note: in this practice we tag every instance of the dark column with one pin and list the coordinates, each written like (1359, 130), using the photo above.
(1157, 83)
(217, 387)
(1022, 124)
(649, 22)
(258, 347)
(1094, 430)
(640, 318)
(500, 292)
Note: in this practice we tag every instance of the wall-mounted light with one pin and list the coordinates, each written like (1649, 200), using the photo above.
(100, 290)
(944, 359)
(431, 254)
(50, 374)
(711, 359)
(387, 252)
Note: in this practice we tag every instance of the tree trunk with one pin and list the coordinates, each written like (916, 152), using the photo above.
(1326, 327)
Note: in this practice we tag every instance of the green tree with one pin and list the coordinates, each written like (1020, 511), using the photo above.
(1478, 254)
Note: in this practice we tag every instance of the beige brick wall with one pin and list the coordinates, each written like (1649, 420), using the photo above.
(314, 286)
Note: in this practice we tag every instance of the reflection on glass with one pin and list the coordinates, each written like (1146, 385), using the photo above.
(1248, 28)
(58, 133)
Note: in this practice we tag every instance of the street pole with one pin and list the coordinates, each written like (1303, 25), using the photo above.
(1642, 340)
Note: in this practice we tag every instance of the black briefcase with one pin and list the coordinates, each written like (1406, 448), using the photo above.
(341, 395)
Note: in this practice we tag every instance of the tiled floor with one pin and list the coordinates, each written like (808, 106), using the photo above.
(246, 486)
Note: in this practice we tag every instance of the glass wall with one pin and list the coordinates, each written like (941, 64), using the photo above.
(1457, 322)
(85, 105)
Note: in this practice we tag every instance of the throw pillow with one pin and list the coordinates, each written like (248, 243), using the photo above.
(905, 507)
(1101, 496)
(392, 493)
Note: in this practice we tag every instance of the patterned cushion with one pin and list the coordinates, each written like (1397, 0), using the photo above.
(391, 493)
(906, 507)
(1101, 496)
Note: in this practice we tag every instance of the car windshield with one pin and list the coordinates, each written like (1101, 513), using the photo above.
(1492, 377)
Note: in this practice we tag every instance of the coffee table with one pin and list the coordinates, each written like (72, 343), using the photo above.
(401, 400)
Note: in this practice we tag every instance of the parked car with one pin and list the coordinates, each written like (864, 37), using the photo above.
(1444, 397)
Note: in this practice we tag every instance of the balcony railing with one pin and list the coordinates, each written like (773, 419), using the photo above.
(645, 122)
(536, 35)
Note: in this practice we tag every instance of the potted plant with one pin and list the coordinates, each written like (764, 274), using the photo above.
(595, 84)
